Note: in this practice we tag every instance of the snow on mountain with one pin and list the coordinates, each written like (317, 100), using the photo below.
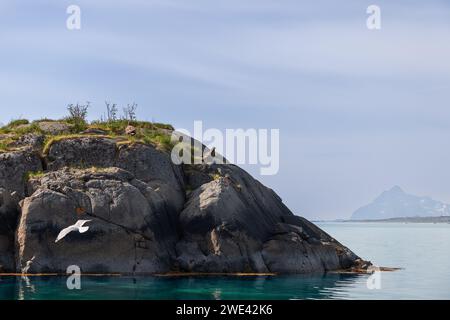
(396, 203)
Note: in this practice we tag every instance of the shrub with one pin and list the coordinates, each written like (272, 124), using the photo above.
(129, 112)
(78, 114)
(111, 111)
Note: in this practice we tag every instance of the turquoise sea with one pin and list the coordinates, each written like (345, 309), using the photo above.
(421, 250)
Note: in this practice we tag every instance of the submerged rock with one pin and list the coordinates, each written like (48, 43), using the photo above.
(149, 215)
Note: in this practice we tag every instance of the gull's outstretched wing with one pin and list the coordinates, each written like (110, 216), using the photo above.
(80, 224)
(65, 232)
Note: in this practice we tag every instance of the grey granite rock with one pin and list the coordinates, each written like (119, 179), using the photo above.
(149, 215)
(54, 127)
(130, 231)
(14, 167)
(234, 224)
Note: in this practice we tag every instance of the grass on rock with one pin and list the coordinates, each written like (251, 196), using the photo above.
(156, 134)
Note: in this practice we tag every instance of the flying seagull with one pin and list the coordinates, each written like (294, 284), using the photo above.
(78, 226)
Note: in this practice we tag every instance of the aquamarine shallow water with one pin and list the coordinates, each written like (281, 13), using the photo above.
(422, 250)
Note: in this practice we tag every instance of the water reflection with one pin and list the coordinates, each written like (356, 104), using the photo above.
(25, 285)
(329, 286)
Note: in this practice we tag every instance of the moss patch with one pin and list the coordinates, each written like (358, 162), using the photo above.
(33, 175)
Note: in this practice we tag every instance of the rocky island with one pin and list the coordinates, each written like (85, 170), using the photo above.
(146, 214)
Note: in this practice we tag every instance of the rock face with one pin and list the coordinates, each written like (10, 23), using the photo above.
(13, 169)
(149, 216)
(395, 203)
(144, 161)
(234, 223)
(54, 127)
(132, 228)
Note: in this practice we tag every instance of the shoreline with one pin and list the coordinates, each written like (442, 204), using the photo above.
(404, 220)
(194, 274)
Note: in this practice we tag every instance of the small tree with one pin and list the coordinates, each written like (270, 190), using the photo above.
(77, 115)
(129, 112)
(111, 111)
(78, 112)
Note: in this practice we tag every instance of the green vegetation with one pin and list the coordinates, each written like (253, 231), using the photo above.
(20, 127)
(31, 128)
(215, 176)
(33, 175)
(163, 126)
(7, 143)
(14, 125)
(159, 140)
(3, 146)
(118, 126)
(77, 116)
(110, 126)
(18, 122)
(45, 120)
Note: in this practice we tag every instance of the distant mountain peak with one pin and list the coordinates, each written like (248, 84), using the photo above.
(396, 189)
(396, 203)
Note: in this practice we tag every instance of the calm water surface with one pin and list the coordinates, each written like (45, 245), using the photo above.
(422, 250)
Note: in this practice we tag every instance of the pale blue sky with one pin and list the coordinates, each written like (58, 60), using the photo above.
(358, 111)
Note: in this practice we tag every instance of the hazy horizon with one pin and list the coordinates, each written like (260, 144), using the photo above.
(359, 110)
